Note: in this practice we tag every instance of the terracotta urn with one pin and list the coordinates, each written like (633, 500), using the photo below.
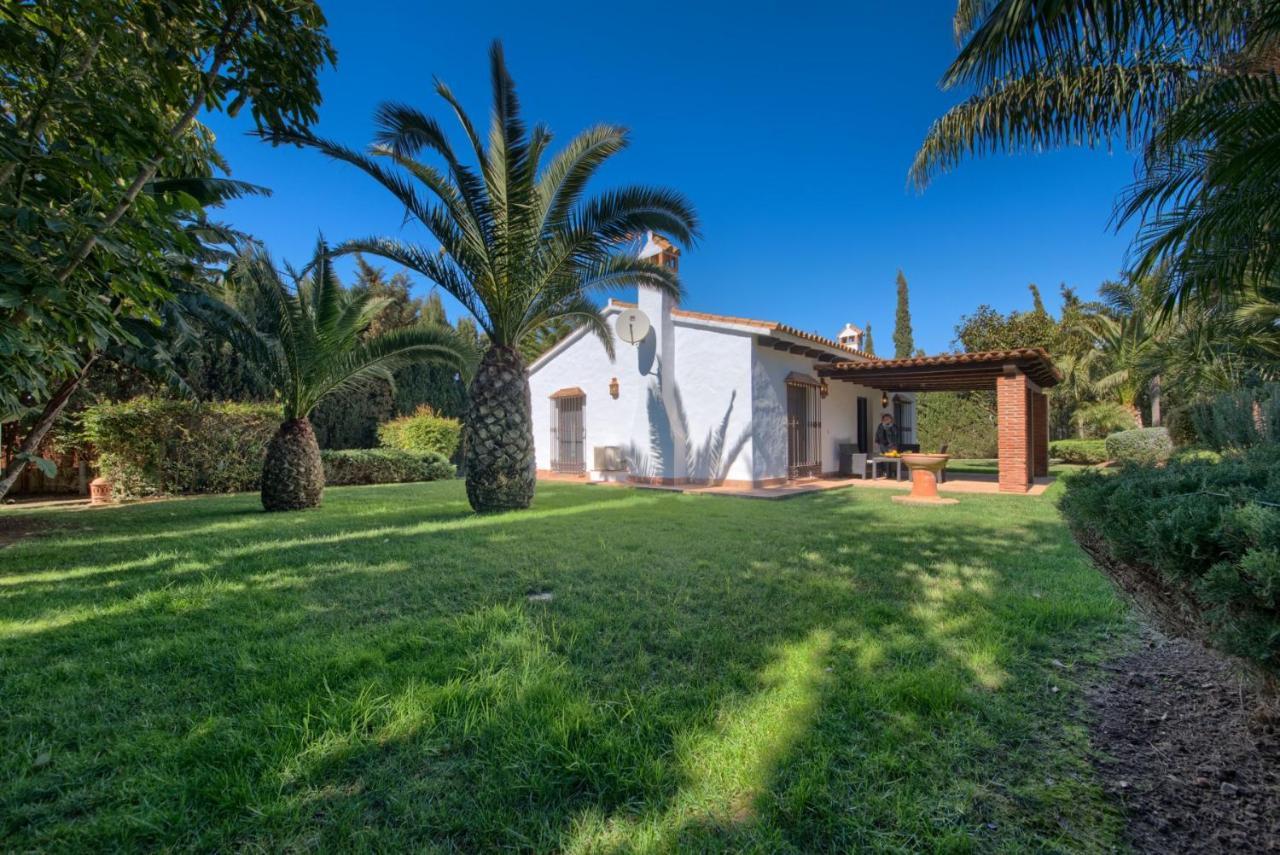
(99, 491)
(924, 476)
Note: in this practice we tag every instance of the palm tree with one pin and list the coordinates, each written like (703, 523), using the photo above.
(1191, 83)
(520, 247)
(311, 346)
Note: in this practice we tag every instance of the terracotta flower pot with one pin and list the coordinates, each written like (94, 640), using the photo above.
(99, 491)
(924, 476)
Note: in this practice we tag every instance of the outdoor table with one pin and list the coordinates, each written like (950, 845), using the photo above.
(879, 459)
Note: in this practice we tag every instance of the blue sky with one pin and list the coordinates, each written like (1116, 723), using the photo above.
(790, 126)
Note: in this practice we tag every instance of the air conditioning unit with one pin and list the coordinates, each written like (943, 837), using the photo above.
(609, 459)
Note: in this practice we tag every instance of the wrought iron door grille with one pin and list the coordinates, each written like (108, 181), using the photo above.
(567, 435)
(804, 431)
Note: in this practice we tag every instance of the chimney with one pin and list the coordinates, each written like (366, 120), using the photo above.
(661, 251)
(657, 305)
(657, 356)
(850, 336)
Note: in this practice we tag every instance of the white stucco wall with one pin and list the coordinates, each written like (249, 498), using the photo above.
(729, 393)
(769, 371)
(712, 391)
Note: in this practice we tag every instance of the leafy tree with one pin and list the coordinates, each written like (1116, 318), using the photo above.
(868, 346)
(1192, 84)
(313, 348)
(101, 100)
(519, 247)
(987, 329)
(903, 342)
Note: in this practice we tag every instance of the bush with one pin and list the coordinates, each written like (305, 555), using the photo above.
(423, 431)
(383, 466)
(964, 421)
(1087, 451)
(157, 446)
(1140, 446)
(1181, 423)
(1196, 544)
(1239, 419)
(1105, 418)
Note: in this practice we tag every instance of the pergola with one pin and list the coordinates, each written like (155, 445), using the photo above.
(1018, 377)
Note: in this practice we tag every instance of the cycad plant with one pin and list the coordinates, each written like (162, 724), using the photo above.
(520, 245)
(310, 342)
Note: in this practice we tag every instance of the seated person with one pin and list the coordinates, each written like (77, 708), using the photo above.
(887, 435)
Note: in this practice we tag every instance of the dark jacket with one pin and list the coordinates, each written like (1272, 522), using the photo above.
(886, 437)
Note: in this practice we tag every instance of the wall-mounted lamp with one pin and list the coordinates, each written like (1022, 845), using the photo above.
(823, 388)
(884, 400)
(613, 388)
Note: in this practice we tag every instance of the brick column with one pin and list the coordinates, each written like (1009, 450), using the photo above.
(1040, 434)
(1013, 420)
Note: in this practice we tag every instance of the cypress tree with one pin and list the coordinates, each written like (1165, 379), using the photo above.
(868, 347)
(903, 342)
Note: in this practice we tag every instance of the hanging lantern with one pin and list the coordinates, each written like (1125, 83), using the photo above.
(823, 388)
(884, 400)
(613, 388)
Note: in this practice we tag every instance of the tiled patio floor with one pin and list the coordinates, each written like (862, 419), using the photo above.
(958, 482)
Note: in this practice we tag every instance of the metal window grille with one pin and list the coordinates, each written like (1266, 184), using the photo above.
(567, 435)
(901, 414)
(804, 431)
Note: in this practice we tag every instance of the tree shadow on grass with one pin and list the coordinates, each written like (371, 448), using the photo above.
(328, 687)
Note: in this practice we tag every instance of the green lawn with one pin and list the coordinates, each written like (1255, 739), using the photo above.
(829, 672)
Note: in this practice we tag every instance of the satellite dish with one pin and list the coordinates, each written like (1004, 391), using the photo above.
(632, 326)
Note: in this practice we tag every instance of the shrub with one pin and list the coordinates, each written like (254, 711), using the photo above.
(1181, 423)
(1239, 419)
(1087, 451)
(1140, 446)
(964, 421)
(422, 431)
(1196, 544)
(383, 466)
(158, 446)
(1105, 418)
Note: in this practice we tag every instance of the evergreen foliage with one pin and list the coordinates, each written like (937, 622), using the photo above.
(903, 340)
(1196, 543)
(1081, 451)
(383, 466)
(868, 346)
(1140, 446)
(151, 446)
(422, 431)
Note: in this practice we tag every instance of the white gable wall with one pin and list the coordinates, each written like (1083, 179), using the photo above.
(712, 383)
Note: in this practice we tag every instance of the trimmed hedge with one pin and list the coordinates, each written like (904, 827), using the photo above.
(1140, 446)
(422, 431)
(1195, 543)
(383, 466)
(1086, 451)
(158, 446)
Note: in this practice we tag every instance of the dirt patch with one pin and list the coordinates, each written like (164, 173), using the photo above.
(1181, 742)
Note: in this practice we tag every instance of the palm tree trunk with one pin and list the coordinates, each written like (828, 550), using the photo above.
(1155, 401)
(498, 434)
(292, 475)
(1136, 412)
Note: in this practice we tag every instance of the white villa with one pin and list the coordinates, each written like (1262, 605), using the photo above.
(703, 399)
